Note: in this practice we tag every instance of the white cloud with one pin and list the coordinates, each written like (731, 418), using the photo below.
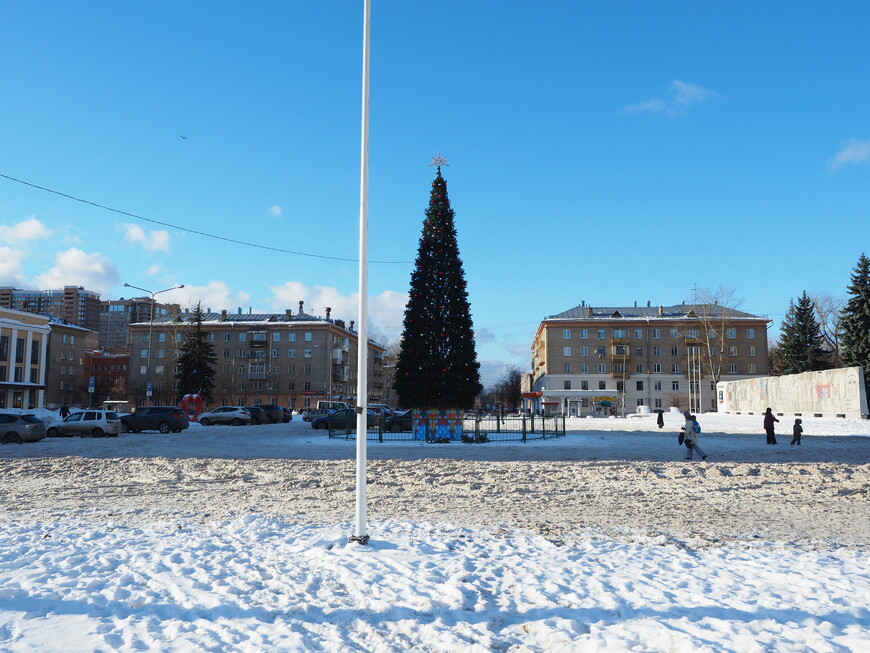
(681, 95)
(153, 271)
(484, 335)
(385, 310)
(215, 295)
(11, 264)
(854, 151)
(76, 268)
(157, 240)
(275, 211)
(30, 229)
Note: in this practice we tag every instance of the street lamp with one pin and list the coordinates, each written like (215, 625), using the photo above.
(150, 329)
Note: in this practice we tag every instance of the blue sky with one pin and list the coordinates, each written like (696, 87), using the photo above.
(606, 152)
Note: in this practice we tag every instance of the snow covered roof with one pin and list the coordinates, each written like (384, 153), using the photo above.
(583, 312)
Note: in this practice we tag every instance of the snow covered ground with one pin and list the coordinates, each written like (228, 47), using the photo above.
(235, 539)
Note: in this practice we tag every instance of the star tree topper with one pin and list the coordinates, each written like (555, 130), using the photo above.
(438, 160)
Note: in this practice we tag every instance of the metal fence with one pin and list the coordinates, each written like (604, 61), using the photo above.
(476, 429)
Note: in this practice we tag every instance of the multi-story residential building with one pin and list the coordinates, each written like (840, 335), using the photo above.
(610, 360)
(23, 358)
(110, 372)
(291, 360)
(65, 379)
(71, 303)
(116, 316)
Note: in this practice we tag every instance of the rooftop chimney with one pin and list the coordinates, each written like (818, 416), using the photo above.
(328, 311)
(300, 307)
(288, 314)
(589, 311)
(239, 312)
(223, 316)
(661, 311)
(351, 326)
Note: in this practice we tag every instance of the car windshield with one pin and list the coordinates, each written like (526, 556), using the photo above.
(30, 419)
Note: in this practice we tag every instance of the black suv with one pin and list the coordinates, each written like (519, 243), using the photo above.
(275, 413)
(150, 418)
(258, 415)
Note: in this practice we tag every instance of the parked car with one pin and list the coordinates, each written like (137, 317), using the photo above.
(165, 419)
(398, 422)
(96, 423)
(258, 415)
(274, 412)
(312, 415)
(235, 415)
(15, 429)
(344, 419)
(381, 409)
(288, 415)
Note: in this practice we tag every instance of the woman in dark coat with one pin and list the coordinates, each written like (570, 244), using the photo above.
(660, 420)
(769, 419)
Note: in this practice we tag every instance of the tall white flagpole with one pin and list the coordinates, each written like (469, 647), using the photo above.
(362, 391)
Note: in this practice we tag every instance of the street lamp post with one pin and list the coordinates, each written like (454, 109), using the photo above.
(150, 329)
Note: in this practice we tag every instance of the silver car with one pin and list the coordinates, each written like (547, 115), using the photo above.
(96, 423)
(235, 415)
(15, 429)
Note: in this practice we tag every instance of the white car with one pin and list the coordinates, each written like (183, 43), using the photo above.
(96, 423)
(235, 415)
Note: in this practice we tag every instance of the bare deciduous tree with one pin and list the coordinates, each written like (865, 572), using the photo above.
(716, 312)
(829, 310)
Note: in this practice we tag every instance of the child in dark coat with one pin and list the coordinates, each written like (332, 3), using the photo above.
(797, 429)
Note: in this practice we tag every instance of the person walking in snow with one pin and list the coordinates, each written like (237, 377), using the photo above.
(796, 430)
(692, 433)
(660, 420)
(64, 411)
(769, 419)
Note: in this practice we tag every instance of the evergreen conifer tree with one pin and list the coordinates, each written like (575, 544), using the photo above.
(855, 322)
(437, 365)
(197, 361)
(801, 344)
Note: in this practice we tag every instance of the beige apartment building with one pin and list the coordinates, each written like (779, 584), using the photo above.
(611, 360)
(23, 359)
(290, 360)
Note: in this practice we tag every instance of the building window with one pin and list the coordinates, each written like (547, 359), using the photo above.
(566, 334)
(276, 336)
(675, 351)
(291, 336)
(657, 351)
(618, 367)
(752, 351)
(584, 350)
(241, 369)
(640, 385)
(732, 368)
(601, 352)
(657, 368)
(584, 385)
(657, 333)
(675, 385)
(308, 336)
(601, 385)
(638, 333)
(159, 369)
(693, 333)
(306, 385)
(731, 333)
(243, 353)
(566, 368)
(161, 337)
(584, 368)
(243, 336)
(241, 386)
(753, 368)
(619, 386)
(750, 333)
(675, 368)
(620, 333)
(732, 350)
(143, 353)
(276, 353)
(602, 368)
(566, 351)
(584, 334)
(711, 334)
(658, 403)
(291, 353)
(178, 337)
(226, 369)
(601, 335)
(307, 353)
(227, 337)
(306, 369)
(566, 385)
(640, 401)
(673, 333)
(143, 370)
(638, 367)
(657, 385)
(620, 350)
(161, 353)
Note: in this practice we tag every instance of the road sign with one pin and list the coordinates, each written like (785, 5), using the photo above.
(91, 384)
(148, 390)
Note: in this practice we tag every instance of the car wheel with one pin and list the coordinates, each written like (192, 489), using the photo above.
(52, 432)
(205, 422)
(164, 427)
(98, 433)
(320, 425)
(12, 438)
(236, 422)
(125, 428)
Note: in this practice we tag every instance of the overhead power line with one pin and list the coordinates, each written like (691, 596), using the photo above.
(188, 230)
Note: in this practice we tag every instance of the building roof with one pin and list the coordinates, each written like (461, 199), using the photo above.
(236, 318)
(680, 311)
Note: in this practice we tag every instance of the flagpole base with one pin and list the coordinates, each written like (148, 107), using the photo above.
(359, 539)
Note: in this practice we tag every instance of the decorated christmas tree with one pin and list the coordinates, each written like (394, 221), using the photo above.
(437, 366)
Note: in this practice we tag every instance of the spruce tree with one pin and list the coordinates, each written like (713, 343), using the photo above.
(437, 365)
(197, 361)
(801, 343)
(855, 322)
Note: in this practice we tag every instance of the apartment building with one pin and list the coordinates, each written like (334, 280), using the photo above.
(109, 371)
(116, 316)
(65, 379)
(71, 303)
(611, 360)
(23, 359)
(286, 359)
